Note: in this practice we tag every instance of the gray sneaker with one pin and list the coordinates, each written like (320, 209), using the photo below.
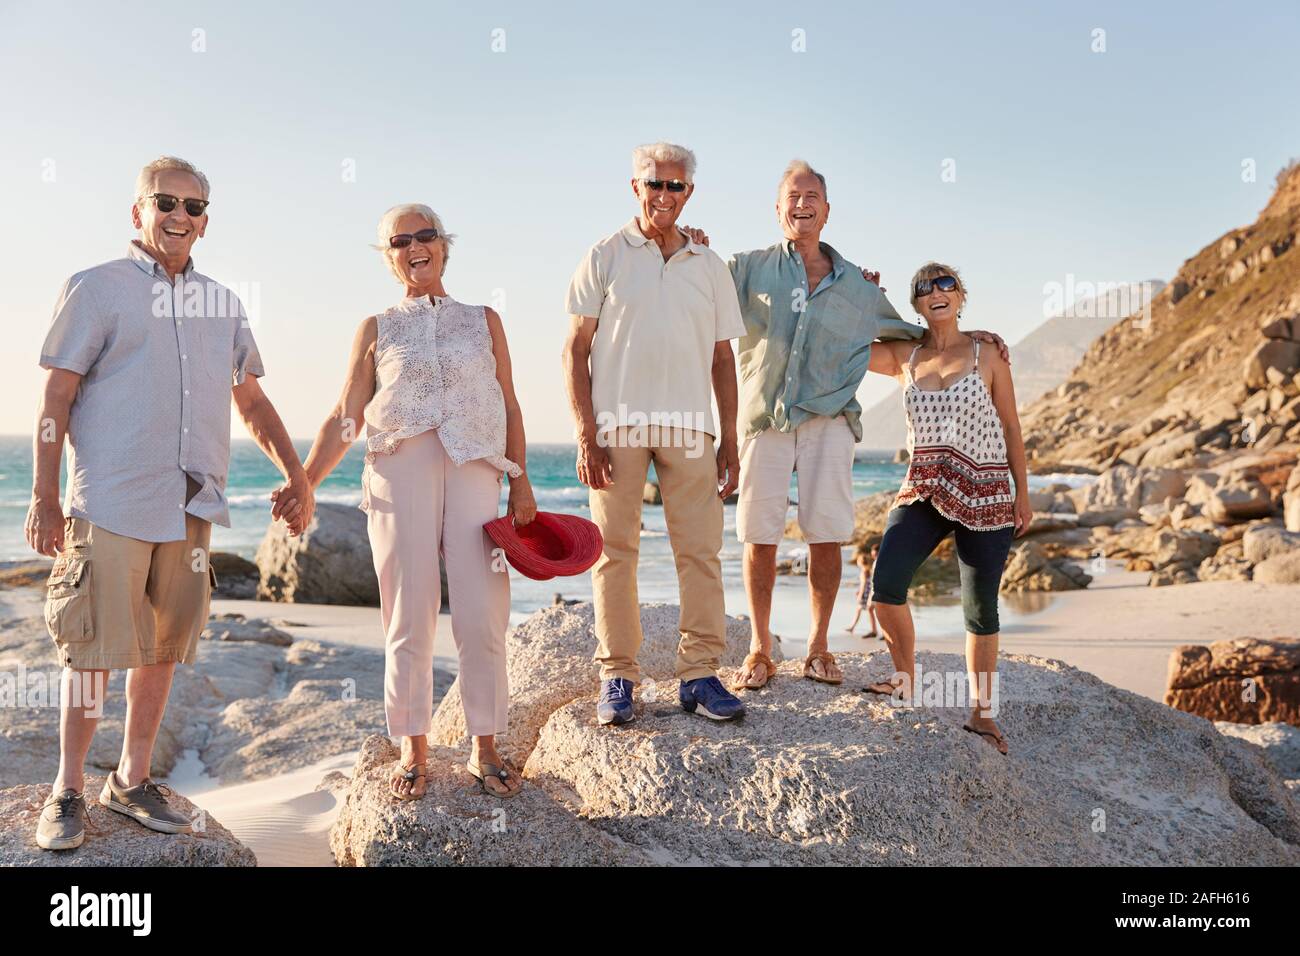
(62, 824)
(146, 804)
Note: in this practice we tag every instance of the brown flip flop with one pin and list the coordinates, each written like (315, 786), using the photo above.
(752, 660)
(826, 658)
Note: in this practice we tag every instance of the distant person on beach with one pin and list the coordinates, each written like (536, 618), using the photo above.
(866, 562)
(963, 433)
(143, 357)
(652, 314)
(811, 317)
(431, 378)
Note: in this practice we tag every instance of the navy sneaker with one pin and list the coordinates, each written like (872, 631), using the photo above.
(714, 700)
(615, 704)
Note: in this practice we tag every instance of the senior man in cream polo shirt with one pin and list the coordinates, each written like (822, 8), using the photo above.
(652, 318)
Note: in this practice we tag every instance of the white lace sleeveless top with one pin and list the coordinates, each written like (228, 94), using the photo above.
(434, 369)
(958, 451)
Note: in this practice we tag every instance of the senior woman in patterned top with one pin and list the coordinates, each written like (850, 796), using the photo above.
(431, 376)
(963, 433)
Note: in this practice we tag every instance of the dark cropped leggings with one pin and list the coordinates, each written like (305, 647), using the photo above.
(913, 531)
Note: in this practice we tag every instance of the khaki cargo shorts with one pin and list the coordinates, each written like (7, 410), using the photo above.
(118, 602)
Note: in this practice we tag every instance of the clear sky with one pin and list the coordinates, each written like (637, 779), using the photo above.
(1111, 166)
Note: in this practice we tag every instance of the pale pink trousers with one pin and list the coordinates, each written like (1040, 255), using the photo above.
(425, 509)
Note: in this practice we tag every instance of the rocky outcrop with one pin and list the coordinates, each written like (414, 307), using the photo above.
(1246, 681)
(237, 578)
(236, 627)
(454, 824)
(822, 775)
(246, 709)
(549, 663)
(111, 838)
(329, 563)
(1279, 743)
(1029, 568)
(1209, 369)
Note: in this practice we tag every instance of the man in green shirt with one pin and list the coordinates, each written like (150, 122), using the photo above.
(810, 318)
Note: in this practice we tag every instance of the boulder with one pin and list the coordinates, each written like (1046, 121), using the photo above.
(1262, 542)
(237, 578)
(1242, 498)
(235, 627)
(650, 494)
(1029, 568)
(549, 662)
(1125, 488)
(115, 840)
(454, 824)
(1279, 742)
(820, 775)
(329, 563)
(1291, 501)
(1270, 353)
(1279, 569)
(1246, 680)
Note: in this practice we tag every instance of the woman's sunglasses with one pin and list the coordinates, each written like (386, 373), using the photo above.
(942, 283)
(403, 239)
(672, 185)
(193, 207)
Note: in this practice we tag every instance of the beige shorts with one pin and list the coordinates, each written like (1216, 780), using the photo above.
(820, 452)
(118, 602)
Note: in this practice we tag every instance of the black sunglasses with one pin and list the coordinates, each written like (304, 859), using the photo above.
(942, 283)
(672, 185)
(403, 239)
(193, 207)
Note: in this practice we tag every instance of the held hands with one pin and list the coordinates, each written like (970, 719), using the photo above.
(873, 278)
(728, 467)
(521, 505)
(594, 469)
(44, 526)
(295, 502)
(1023, 514)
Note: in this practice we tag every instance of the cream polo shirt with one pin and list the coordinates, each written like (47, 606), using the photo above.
(658, 321)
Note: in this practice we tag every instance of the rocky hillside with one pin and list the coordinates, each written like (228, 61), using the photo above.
(1042, 360)
(1213, 368)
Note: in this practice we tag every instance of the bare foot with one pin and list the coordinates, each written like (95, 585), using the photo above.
(409, 779)
(504, 788)
(988, 729)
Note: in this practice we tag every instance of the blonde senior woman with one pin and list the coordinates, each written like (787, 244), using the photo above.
(431, 376)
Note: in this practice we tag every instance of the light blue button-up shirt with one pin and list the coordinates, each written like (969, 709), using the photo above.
(804, 352)
(158, 358)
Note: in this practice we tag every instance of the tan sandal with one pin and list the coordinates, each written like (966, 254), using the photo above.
(482, 771)
(827, 660)
(410, 775)
(751, 662)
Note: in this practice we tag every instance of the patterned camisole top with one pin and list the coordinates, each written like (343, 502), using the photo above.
(435, 370)
(958, 451)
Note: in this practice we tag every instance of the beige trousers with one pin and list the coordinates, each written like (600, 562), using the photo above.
(688, 481)
(425, 509)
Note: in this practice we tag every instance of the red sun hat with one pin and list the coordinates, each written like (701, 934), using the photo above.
(551, 545)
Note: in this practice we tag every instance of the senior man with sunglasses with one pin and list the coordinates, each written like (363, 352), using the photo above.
(810, 319)
(143, 358)
(652, 314)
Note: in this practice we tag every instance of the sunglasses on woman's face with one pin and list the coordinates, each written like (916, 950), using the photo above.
(672, 185)
(404, 239)
(942, 283)
(193, 207)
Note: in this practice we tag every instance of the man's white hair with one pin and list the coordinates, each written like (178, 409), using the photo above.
(144, 183)
(389, 219)
(798, 167)
(645, 157)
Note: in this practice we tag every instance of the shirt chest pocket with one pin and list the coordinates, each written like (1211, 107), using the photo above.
(844, 325)
(211, 344)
